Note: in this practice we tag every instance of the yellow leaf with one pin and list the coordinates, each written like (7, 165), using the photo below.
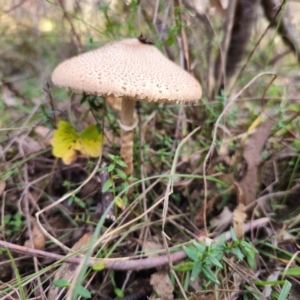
(120, 203)
(90, 141)
(67, 143)
(64, 142)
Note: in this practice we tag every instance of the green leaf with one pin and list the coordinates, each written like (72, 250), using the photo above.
(292, 272)
(212, 260)
(170, 41)
(216, 247)
(79, 202)
(251, 260)
(269, 282)
(209, 275)
(199, 246)
(83, 292)
(121, 174)
(119, 292)
(111, 156)
(121, 163)
(222, 239)
(61, 283)
(295, 107)
(186, 281)
(111, 167)
(234, 238)
(184, 267)
(106, 186)
(98, 266)
(238, 253)
(285, 291)
(191, 252)
(196, 270)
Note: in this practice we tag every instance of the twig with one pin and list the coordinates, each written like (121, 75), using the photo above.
(124, 263)
(66, 196)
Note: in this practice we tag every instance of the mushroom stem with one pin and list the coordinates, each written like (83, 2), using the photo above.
(127, 119)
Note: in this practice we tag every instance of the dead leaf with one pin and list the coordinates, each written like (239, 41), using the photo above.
(44, 134)
(38, 238)
(237, 283)
(211, 203)
(252, 155)
(222, 221)
(30, 145)
(199, 222)
(151, 245)
(269, 288)
(162, 284)
(239, 217)
(227, 154)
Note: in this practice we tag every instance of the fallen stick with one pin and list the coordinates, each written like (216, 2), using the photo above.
(125, 263)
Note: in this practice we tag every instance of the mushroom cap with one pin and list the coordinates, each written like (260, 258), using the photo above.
(128, 68)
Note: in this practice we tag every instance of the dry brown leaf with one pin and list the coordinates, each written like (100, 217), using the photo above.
(38, 238)
(45, 134)
(237, 283)
(252, 155)
(150, 246)
(30, 145)
(221, 221)
(199, 222)
(268, 288)
(9, 97)
(239, 217)
(162, 284)
(211, 202)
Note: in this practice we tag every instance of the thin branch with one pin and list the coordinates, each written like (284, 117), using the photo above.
(124, 263)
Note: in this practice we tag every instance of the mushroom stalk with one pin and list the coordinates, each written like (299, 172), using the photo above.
(127, 122)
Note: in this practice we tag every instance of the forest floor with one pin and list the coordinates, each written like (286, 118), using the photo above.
(211, 210)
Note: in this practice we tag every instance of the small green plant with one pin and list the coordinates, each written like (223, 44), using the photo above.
(206, 257)
(75, 199)
(119, 293)
(82, 291)
(13, 223)
(116, 172)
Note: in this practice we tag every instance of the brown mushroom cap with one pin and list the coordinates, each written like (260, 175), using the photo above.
(128, 68)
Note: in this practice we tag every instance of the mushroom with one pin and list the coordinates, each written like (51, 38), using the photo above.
(133, 69)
